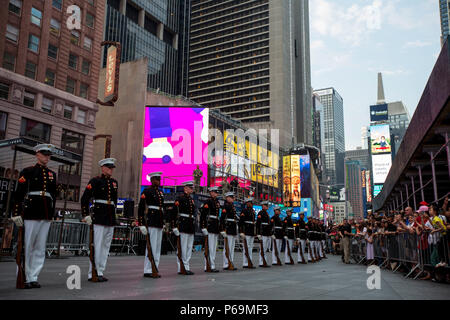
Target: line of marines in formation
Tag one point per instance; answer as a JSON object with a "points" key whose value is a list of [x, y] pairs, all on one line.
{"points": [[34, 209]]}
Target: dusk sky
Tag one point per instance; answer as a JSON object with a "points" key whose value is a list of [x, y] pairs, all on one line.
{"points": [[353, 40]]}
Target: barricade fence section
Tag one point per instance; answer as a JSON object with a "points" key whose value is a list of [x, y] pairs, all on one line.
{"points": [[414, 252], [74, 237]]}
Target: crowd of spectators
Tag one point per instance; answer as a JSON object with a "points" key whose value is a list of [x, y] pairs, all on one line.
{"points": [[419, 236]]}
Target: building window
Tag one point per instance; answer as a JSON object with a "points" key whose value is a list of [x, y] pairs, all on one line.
{"points": [[72, 194], [15, 6], [55, 27], [72, 141], [91, 2], [84, 91], [75, 37], [28, 99], [9, 61], [68, 112], [90, 20], [3, 121], [35, 130], [36, 16], [47, 105], [57, 4], [81, 117], [30, 70], [73, 61], [52, 51], [12, 33], [70, 86], [49, 78], [87, 44], [33, 43], [86, 67], [4, 90]]}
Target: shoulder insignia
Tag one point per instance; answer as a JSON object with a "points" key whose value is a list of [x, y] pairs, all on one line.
{"points": [[89, 186], [143, 196], [285, 221], [259, 217], [177, 203], [206, 206], [22, 179], [242, 215], [224, 210], [271, 220]]}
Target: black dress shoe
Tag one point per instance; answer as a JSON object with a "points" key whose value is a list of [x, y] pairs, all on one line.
{"points": [[189, 273], [101, 279], [35, 284], [215, 271], [27, 285], [264, 266], [245, 267]]}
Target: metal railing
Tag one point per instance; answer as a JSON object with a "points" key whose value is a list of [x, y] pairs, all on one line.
{"points": [[416, 253]]}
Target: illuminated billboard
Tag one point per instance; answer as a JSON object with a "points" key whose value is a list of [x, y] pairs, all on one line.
{"points": [[369, 186], [380, 139], [377, 190], [381, 164], [296, 179], [379, 113], [175, 142]]}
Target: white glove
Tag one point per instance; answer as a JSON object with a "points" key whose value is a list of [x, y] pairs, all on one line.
{"points": [[274, 238], [88, 220], [307, 241], [242, 235], [176, 232], [298, 239], [286, 237], [205, 232], [18, 221], [143, 230], [224, 234], [259, 237]]}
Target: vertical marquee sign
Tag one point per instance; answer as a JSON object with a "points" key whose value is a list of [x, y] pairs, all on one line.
{"points": [[111, 93]]}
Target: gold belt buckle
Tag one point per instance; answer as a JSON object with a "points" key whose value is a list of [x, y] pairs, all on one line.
{"points": [[109, 202], [43, 193]]}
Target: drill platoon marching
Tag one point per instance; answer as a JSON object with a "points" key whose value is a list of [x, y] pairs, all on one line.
{"points": [[35, 207]]}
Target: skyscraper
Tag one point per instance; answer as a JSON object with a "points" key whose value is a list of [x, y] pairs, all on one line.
{"points": [[444, 9], [250, 59], [48, 85], [334, 142], [157, 30], [353, 188]]}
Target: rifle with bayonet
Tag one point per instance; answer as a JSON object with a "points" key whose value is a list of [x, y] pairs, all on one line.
{"points": [[149, 247]]}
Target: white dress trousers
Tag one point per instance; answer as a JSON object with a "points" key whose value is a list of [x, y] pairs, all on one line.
{"points": [[35, 240], [250, 242], [155, 242], [102, 242], [187, 241]]}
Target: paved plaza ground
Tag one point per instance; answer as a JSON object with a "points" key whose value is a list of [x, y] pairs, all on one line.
{"points": [[328, 279]]}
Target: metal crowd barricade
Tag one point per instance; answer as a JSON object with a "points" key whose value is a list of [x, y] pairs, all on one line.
{"points": [[358, 249], [74, 237], [121, 239]]}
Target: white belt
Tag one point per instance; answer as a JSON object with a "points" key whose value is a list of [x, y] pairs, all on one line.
{"points": [[185, 215], [231, 220], [104, 202], [278, 227], [213, 217], [264, 224], [249, 222], [302, 229], [290, 228], [40, 193], [154, 207]]}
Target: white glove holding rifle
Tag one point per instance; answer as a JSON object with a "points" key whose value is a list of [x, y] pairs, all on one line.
{"points": [[242, 235], [274, 238], [88, 220], [176, 232], [18, 221], [259, 237], [205, 232], [224, 234], [286, 237], [143, 230]]}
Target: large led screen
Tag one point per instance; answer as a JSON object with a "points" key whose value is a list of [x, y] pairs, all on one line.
{"points": [[381, 164], [175, 143], [380, 139]]}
